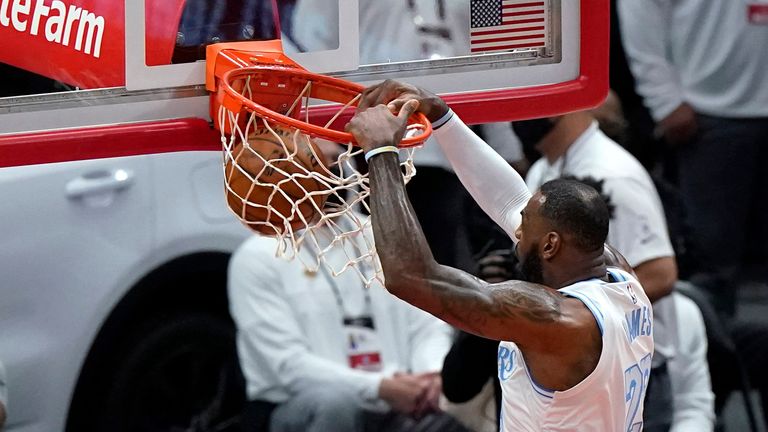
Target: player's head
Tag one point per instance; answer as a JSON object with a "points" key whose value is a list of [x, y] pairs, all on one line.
{"points": [[599, 186], [565, 220]]}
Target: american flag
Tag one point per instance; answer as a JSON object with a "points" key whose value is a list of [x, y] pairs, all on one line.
{"points": [[504, 25]]}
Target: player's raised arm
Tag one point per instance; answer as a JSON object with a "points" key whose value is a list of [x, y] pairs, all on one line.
{"points": [[492, 182], [536, 317]]}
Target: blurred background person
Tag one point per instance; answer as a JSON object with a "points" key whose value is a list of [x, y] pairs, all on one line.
{"points": [[701, 68], [323, 353], [326, 353]]}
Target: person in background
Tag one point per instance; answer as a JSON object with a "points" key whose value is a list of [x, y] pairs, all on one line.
{"points": [[323, 353], [701, 68], [326, 353]]}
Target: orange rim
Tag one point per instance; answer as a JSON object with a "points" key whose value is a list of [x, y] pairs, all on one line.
{"points": [[344, 89]]}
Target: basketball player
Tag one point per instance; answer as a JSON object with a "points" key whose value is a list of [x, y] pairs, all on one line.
{"points": [[576, 336]]}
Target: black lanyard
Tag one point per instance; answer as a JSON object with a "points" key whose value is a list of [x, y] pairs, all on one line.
{"points": [[332, 282]]}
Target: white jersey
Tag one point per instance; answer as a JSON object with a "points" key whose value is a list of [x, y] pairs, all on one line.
{"points": [[611, 397]]}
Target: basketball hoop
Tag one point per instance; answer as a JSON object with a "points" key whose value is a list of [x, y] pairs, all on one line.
{"points": [[273, 80], [279, 181]]}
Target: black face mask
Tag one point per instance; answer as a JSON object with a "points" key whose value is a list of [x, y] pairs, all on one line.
{"points": [[531, 132]]}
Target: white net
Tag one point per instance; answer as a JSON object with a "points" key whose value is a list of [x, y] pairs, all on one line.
{"points": [[306, 193]]}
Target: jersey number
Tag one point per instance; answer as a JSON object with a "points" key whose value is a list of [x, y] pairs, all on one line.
{"points": [[635, 384]]}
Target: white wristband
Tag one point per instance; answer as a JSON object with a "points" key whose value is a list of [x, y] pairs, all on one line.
{"points": [[380, 150]]}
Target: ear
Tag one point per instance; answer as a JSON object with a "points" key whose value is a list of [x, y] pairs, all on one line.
{"points": [[550, 245]]}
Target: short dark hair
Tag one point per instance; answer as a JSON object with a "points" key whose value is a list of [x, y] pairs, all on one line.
{"points": [[599, 187], [575, 208]]}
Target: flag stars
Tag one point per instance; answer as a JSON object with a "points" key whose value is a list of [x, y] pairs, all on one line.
{"points": [[486, 13]]}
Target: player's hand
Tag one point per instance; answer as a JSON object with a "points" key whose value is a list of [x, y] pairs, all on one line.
{"points": [[680, 126], [377, 126], [395, 94], [403, 392]]}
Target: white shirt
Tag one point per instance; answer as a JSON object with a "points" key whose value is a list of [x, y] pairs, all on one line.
{"points": [[611, 397], [692, 394], [290, 331], [638, 230], [703, 52]]}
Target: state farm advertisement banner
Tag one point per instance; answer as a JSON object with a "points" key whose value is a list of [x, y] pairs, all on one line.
{"points": [[82, 42]]}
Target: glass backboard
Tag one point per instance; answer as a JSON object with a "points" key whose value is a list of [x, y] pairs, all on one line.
{"points": [[448, 46], [549, 56], [492, 60]]}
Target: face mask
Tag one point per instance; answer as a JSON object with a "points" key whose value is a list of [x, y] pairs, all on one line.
{"points": [[531, 132]]}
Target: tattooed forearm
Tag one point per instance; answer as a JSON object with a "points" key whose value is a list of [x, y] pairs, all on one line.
{"points": [[473, 304]]}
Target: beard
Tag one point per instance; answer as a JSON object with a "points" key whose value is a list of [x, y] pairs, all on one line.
{"points": [[530, 267]]}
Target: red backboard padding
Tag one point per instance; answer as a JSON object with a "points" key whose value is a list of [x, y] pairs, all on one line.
{"points": [[188, 134]]}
